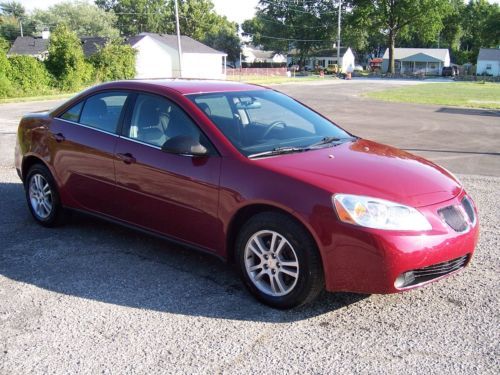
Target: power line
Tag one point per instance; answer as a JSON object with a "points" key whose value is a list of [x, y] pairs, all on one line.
{"points": [[291, 39]]}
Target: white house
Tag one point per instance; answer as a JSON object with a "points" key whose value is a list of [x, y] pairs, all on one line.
{"points": [[323, 58], [418, 60], [251, 54], [488, 61], [157, 57]]}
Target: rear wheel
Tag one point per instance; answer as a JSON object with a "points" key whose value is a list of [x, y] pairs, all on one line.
{"points": [[42, 196], [278, 261]]}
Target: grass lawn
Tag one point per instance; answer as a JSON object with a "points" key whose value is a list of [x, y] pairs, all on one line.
{"points": [[463, 94], [37, 98]]}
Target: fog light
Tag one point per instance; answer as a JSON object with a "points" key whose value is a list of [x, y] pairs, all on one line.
{"points": [[404, 279]]}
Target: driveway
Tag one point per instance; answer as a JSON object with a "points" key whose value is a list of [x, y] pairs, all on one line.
{"points": [[460, 139]]}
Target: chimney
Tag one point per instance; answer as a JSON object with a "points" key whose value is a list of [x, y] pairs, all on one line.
{"points": [[45, 34]]}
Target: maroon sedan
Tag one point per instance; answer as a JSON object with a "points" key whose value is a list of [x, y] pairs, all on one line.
{"points": [[254, 177]]}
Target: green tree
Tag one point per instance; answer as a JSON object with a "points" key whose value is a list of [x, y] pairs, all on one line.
{"points": [[480, 22], [227, 41], [5, 84], [280, 25], [13, 9], [197, 20], [11, 14], [136, 16], [28, 74], [66, 61], [398, 17], [114, 61], [83, 18]]}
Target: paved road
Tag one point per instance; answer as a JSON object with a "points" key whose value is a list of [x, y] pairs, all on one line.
{"points": [[92, 297]]}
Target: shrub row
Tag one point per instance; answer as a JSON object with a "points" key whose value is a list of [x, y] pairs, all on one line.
{"points": [[66, 68]]}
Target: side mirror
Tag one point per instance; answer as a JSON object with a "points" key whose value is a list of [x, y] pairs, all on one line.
{"points": [[184, 145]]}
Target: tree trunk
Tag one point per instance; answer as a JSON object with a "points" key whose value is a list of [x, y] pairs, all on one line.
{"points": [[392, 42]]}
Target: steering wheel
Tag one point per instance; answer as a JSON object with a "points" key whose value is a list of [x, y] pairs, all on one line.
{"points": [[273, 125]]}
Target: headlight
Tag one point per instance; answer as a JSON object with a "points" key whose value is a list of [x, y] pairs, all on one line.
{"points": [[378, 213]]}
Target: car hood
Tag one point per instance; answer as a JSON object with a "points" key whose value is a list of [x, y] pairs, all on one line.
{"points": [[368, 168]]}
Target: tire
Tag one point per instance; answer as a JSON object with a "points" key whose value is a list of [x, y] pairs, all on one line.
{"points": [[278, 261], [42, 196]]}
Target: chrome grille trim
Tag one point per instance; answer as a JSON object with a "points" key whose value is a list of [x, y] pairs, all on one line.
{"points": [[469, 209], [435, 271]]}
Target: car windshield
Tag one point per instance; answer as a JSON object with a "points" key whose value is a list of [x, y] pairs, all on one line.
{"points": [[264, 121]]}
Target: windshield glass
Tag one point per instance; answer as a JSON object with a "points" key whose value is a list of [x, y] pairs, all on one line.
{"points": [[265, 120]]}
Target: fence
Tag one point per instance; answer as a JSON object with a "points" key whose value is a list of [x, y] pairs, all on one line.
{"points": [[256, 72]]}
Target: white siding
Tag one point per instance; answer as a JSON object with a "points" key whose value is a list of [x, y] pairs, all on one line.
{"points": [[202, 65], [152, 60], [348, 61], [482, 67]]}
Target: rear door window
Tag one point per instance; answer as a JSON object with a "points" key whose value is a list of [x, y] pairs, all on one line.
{"points": [[103, 111]]}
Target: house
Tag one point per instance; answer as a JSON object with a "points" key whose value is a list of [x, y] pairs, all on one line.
{"points": [[39, 47], [157, 57], [488, 62], [30, 46], [325, 57], [418, 60], [252, 54]]}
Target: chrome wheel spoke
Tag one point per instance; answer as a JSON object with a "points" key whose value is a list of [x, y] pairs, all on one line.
{"points": [[293, 274], [40, 196], [271, 263]]}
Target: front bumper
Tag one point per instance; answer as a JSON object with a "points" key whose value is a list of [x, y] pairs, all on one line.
{"points": [[370, 261]]}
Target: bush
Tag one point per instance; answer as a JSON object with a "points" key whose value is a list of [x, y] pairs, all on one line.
{"points": [[66, 60], [28, 74], [113, 62]]}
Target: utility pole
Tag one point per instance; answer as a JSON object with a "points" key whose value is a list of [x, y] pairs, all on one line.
{"points": [[179, 49], [338, 34], [21, 26]]}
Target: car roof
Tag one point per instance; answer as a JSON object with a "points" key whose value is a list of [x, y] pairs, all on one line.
{"points": [[186, 86]]}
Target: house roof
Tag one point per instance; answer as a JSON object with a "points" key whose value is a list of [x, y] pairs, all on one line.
{"points": [[188, 45], [489, 54], [32, 46], [404, 53], [92, 44], [29, 45]]}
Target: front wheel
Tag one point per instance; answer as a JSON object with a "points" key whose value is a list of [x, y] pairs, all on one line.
{"points": [[278, 261], [42, 196]]}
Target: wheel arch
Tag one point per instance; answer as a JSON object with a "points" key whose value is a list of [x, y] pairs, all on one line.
{"points": [[245, 213], [28, 162]]}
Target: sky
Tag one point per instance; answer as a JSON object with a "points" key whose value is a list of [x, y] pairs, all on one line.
{"points": [[234, 10]]}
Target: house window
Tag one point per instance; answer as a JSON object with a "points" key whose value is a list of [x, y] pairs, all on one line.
{"points": [[488, 66], [432, 66]]}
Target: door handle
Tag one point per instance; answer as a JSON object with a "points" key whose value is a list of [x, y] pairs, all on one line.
{"points": [[127, 158], [59, 137]]}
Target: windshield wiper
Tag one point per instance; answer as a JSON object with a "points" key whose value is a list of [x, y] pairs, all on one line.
{"points": [[325, 141], [278, 151]]}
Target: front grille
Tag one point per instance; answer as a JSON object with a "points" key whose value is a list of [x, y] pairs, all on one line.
{"points": [[438, 270], [467, 204], [454, 218], [429, 273]]}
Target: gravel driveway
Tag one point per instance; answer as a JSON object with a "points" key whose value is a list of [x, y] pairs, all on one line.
{"points": [[93, 297]]}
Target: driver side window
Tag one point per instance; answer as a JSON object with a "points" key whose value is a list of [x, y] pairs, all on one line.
{"points": [[155, 120]]}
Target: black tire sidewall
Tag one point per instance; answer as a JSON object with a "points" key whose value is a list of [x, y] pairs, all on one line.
{"points": [[54, 216], [310, 270]]}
